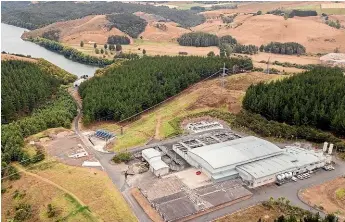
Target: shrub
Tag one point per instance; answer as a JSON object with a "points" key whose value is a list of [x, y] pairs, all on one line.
{"points": [[116, 39], [51, 211], [122, 157], [23, 212]]}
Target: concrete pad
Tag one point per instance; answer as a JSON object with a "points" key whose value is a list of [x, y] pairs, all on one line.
{"points": [[190, 179]]}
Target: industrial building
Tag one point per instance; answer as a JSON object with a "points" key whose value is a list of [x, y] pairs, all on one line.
{"points": [[157, 166], [254, 160]]}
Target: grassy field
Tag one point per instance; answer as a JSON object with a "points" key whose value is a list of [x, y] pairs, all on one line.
{"points": [[151, 47], [202, 97], [38, 194], [102, 201], [93, 187]]}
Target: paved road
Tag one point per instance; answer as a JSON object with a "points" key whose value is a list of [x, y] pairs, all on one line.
{"points": [[113, 172], [289, 191]]}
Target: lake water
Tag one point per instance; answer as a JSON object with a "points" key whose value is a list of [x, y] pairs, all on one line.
{"points": [[12, 43]]}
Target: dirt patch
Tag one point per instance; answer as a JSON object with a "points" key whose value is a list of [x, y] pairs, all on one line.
{"points": [[152, 213], [324, 196], [5, 57], [64, 145], [252, 214]]}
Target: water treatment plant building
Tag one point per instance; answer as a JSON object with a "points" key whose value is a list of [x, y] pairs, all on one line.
{"points": [[256, 161]]}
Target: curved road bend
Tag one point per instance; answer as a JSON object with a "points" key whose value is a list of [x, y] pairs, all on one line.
{"points": [[113, 172]]}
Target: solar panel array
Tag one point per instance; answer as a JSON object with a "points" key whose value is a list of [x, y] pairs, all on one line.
{"points": [[104, 134]]}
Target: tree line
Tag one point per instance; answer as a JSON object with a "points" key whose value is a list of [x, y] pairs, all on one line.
{"points": [[26, 85], [293, 13], [117, 39], [71, 53], [198, 39], [139, 84], [130, 24], [57, 112], [36, 15], [227, 44], [315, 98], [288, 48]]}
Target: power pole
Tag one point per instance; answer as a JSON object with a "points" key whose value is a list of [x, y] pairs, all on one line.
{"points": [[222, 78], [268, 63]]}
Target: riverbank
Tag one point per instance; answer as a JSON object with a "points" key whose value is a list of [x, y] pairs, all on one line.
{"points": [[11, 42]]}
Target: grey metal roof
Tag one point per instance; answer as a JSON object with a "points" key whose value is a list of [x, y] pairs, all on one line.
{"points": [[235, 152], [292, 158], [158, 164], [150, 153]]}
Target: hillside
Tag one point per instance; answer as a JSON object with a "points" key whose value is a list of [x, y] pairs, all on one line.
{"points": [[139, 84], [202, 96], [317, 37], [26, 84], [88, 29], [33, 16], [315, 98]]}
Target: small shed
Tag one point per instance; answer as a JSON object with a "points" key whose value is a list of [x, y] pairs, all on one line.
{"points": [[157, 166], [150, 153]]}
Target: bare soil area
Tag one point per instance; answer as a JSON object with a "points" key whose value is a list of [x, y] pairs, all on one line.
{"points": [[252, 214], [212, 95], [324, 196]]}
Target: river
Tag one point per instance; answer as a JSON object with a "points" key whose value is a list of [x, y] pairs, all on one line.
{"points": [[12, 43]]}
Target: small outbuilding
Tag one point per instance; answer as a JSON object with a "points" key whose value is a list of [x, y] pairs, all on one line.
{"points": [[154, 158]]}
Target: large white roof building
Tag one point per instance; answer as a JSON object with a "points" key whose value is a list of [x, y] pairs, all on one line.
{"points": [[255, 160]]}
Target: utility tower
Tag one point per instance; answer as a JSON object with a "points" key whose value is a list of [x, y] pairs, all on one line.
{"points": [[222, 77]]}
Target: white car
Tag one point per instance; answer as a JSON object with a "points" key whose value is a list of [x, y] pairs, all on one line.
{"points": [[294, 179], [300, 177]]}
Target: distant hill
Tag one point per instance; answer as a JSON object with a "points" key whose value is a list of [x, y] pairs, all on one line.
{"points": [[33, 16]]}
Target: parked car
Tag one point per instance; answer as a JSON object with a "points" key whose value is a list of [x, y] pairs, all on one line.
{"points": [[294, 179], [300, 177]]}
